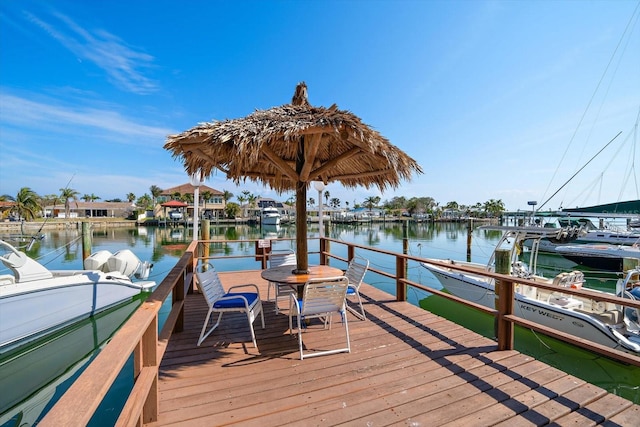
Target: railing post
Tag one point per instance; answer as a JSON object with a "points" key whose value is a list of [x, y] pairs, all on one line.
{"points": [[505, 307], [504, 291], [325, 247], [351, 252], [150, 355], [401, 274], [86, 240]]}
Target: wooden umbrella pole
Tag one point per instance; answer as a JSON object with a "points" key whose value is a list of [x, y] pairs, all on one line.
{"points": [[302, 252]]}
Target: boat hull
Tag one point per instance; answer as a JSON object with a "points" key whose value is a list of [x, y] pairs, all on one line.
{"points": [[33, 309], [597, 262], [602, 257], [271, 220], [30, 377], [559, 315]]}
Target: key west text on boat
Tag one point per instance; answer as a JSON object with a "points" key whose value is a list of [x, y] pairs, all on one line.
{"points": [[602, 322], [36, 301]]}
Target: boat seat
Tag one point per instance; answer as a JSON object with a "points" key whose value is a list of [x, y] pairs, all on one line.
{"points": [[610, 317]]}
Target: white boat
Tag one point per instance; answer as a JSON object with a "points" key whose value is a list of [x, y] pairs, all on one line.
{"points": [[29, 378], [605, 323], [36, 301], [602, 257], [270, 216], [611, 237]]}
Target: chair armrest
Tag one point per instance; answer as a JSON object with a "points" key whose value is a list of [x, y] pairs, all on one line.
{"points": [[247, 285]]}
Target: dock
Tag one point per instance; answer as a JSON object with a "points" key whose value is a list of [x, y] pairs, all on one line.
{"points": [[407, 366]]}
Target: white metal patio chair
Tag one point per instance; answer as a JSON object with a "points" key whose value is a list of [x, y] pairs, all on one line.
{"points": [[233, 300], [278, 259], [356, 271], [321, 299]]}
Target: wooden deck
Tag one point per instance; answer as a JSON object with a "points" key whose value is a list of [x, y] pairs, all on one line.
{"points": [[406, 367]]}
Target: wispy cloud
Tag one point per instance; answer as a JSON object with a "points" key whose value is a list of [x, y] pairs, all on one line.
{"points": [[21, 112], [123, 64]]}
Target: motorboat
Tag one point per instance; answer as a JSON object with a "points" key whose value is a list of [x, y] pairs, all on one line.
{"points": [[611, 237], [31, 378], [36, 301], [270, 216], [613, 325], [590, 233], [602, 257], [585, 236]]}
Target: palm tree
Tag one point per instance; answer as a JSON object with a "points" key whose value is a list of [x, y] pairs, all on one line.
{"points": [[251, 199], [494, 207], [27, 204], [145, 202], [326, 197], [206, 196], [68, 194], [93, 197], [334, 202], [155, 192], [226, 196], [86, 197], [131, 197], [242, 199], [372, 201]]}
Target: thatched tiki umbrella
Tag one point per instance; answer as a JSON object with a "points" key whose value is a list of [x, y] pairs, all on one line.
{"points": [[289, 146]]}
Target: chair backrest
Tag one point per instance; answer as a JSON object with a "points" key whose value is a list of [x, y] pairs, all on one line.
{"points": [[324, 295], [357, 269], [278, 259], [210, 285]]}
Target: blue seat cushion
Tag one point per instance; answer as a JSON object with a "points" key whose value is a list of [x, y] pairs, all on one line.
{"points": [[236, 302], [351, 291]]}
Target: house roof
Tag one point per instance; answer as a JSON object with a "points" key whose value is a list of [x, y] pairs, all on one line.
{"points": [[188, 189]]}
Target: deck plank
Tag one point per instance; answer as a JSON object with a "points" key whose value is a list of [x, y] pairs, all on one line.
{"points": [[407, 366]]}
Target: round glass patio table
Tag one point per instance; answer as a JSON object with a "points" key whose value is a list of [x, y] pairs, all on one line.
{"points": [[284, 275]]}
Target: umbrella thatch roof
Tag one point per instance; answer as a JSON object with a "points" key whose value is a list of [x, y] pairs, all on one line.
{"points": [[264, 147], [287, 147]]}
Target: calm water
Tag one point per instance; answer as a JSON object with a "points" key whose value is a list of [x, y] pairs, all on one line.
{"points": [[44, 372]]}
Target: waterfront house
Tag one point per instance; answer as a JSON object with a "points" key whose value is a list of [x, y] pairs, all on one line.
{"points": [[5, 209], [80, 209], [211, 201]]}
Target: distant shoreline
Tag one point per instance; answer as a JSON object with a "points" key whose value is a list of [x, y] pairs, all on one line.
{"points": [[62, 224]]}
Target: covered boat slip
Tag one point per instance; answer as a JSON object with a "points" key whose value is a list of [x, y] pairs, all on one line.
{"points": [[406, 366]]}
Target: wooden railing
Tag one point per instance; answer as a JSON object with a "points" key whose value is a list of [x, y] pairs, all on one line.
{"points": [[504, 311], [139, 336]]}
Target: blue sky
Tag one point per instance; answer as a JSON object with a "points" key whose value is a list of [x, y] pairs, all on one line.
{"points": [[494, 99]]}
